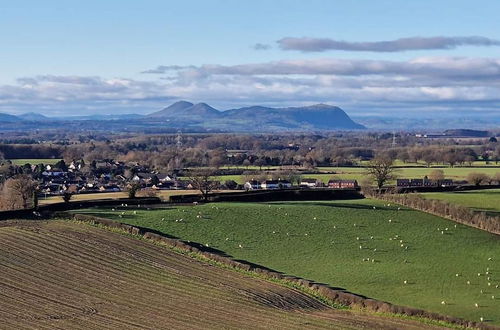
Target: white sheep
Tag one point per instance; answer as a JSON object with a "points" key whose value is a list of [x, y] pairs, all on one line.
{"points": [[476, 305], [443, 302], [405, 282], [240, 246]]}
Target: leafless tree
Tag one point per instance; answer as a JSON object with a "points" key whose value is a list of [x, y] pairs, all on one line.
{"points": [[382, 170], [203, 179], [19, 191]]}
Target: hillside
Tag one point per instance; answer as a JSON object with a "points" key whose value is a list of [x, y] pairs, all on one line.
{"points": [[257, 118], [62, 274]]}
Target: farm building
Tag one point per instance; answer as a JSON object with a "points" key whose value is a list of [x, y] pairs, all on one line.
{"points": [[310, 182], [423, 183], [343, 184], [252, 185], [276, 184]]}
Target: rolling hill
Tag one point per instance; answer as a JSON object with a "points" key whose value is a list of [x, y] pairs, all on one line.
{"points": [[257, 118]]}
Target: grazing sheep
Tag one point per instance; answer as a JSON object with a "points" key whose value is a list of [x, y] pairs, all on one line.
{"points": [[360, 247], [135, 212], [113, 210], [374, 250], [489, 259], [371, 237], [481, 319], [402, 245], [476, 305], [240, 246], [405, 282], [390, 220], [478, 274], [306, 234], [227, 238], [457, 274], [492, 297], [399, 208], [162, 219], [314, 218], [206, 245], [374, 208], [357, 238], [468, 282], [274, 232], [442, 232], [443, 302]]}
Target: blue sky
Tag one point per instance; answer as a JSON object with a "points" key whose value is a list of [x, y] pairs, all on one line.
{"points": [[75, 57]]}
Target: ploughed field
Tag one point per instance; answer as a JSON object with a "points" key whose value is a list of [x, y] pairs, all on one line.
{"points": [[367, 247], [69, 275], [479, 200]]}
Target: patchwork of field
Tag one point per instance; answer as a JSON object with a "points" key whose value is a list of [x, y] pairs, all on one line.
{"points": [[385, 252], [478, 200], [358, 173], [68, 275]]}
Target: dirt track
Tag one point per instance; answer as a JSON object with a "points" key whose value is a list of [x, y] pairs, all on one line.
{"points": [[66, 275]]}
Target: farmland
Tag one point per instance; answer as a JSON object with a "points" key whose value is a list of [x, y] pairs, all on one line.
{"points": [[357, 173], [349, 244], [35, 161], [478, 200], [64, 274]]}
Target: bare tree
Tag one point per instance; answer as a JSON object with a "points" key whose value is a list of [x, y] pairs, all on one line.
{"points": [[382, 170], [477, 178], [203, 179], [19, 192], [436, 175]]}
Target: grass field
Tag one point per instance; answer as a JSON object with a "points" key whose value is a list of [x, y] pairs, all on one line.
{"points": [[45, 161], [478, 200], [358, 173], [67, 275], [329, 242]]}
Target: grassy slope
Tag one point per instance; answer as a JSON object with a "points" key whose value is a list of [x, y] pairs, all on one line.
{"points": [[480, 200], [332, 255], [67, 275]]}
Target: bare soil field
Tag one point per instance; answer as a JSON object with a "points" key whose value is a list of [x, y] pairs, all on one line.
{"points": [[68, 275]]}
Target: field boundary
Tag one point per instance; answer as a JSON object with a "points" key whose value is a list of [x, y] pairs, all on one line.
{"points": [[333, 296], [454, 212]]}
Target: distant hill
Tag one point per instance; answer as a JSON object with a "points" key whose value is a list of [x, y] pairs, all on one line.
{"points": [[6, 118], [257, 118], [33, 116]]}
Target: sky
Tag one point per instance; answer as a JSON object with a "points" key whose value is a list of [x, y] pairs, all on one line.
{"points": [[380, 58]]}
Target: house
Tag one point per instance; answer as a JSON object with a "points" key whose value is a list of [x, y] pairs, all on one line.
{"points": [[343, 184], [310, 183], [276, 184], [252, 185]]}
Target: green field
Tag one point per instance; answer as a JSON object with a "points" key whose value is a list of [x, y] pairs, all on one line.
{"points": [[478, 200], [358, 173], [321, 241], [32, 161]]}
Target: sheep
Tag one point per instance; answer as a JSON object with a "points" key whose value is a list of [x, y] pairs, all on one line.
{"points": [[206, 245], [481, 319], [227, 238], [442, 232], [402, 245], [306, 234], [240, 246], [371, 237], [493, 297], [457, 274], [489, 259], [357, 238], [374, 250], [390, 220], [443, 302], [468, 282], [314, 218], [162, 219], [274, 232], [489, 284], [405, 282], [135, 212], [476, 305], [478, 274], [360, 247], [374, 208], [399, 209]]}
